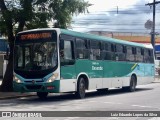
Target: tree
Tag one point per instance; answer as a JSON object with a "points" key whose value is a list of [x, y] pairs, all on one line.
{"points": [[17, 15]]}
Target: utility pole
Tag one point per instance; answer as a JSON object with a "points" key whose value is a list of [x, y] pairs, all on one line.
{"points": [[117, 9], [153, 27]]}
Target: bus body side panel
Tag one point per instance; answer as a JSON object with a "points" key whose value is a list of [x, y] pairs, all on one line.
{"points": [[115, 73], [144, 73], [68, 78], [69, 73], [106, 74], [94, 70], [148, 72], [118, 74]]}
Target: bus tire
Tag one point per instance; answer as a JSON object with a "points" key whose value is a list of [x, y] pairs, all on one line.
{"points": [[132, 86], [81, 88], [42, 95]]}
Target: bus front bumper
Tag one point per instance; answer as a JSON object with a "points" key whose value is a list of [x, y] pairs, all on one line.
{"points": [[36, 87]]}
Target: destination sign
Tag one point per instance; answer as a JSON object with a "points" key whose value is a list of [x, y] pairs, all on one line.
{"points": [[33, 36]]}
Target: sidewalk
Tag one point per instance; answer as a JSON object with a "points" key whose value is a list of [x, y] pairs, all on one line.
{"points": [[9, 95], [157, 80]]}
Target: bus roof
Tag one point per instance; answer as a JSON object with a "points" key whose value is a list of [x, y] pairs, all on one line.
{"points": [[90, 36]]}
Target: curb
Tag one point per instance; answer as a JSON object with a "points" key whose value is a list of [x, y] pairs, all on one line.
{"points": [[16, 96]]}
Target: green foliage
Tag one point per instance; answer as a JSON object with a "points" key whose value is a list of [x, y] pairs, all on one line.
{"points": [[64, 9], [30, 14], [2, 27]]}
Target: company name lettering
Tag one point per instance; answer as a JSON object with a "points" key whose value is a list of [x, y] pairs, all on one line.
{"points": [[97, 68]]}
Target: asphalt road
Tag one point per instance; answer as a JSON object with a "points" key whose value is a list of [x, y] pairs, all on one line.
{"points": [[145, 98]]}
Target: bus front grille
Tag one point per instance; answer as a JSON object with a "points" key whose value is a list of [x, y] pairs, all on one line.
{"points": [[33, 87], [31, 81]]}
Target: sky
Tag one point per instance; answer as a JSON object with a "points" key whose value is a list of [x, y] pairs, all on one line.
{"points": [[103, 16]]}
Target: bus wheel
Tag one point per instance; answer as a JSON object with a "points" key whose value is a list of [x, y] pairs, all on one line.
{"points": [[132, 86], [42, 95], [81, 88]]}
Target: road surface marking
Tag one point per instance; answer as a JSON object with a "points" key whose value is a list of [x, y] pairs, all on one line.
{"points": [[113, 103], [154, 118], [72, 118], [145, 106]]}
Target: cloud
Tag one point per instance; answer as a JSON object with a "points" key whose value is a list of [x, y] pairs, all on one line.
{"points": [[129, 18]]}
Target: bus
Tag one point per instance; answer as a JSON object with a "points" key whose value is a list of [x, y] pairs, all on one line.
{"points": [[54, 60]]}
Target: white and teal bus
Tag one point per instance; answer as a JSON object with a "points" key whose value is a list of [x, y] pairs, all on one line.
{"points": [[54, 60]]}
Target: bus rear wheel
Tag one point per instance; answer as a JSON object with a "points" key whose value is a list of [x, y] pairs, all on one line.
{"points": [[42, 95], [81, 88], [132, 86]]}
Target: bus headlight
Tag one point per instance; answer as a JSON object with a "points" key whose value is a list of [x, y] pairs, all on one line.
{"points": [[52, 78], [16, 79]]}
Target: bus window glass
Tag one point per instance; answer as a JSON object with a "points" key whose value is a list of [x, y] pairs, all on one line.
{"points": [[130, 56], [148, 56], [139, 56], [80, 44], [81, 47], [27, 55], [95, 50], [120, 55], [113, 48], [19, 56], [67, 50], [119, 48], [107, 54], [151, 56], [37, 56], [107, 47], [142, 51]]}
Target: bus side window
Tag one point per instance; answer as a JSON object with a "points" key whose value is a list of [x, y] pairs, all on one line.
{"points": [[134, 52], [130, 54], [81, 48], [151, 56], [112, 52], [67, 54], [120, 55], [148, 56], [95, 50], [107, 54], [139, 56]]}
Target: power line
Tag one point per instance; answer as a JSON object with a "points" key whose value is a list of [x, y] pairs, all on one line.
{"points": [[110, 28], [153, 27], [118, 24]]}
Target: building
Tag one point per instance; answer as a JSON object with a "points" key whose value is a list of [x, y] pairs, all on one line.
{"points": [[129, 36], [3, 49], [157, 50]]}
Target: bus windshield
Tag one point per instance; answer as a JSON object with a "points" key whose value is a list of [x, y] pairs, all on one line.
{"points": [[35, 51], [35, 56]]}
